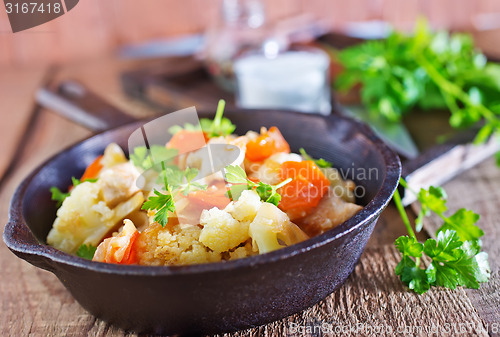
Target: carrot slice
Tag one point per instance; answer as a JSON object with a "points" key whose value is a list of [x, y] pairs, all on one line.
{"points": [[213, 196], [186, 141], [92, 171], [307, 187], [267, 144]]}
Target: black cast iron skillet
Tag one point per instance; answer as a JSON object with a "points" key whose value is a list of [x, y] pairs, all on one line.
{"points": [[215, 297]]}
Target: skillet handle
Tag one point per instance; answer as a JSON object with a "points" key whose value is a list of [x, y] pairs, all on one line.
{"points": [[21, 241], [75, 102]]}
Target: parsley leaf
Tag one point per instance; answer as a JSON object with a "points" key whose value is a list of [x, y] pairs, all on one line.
{"points": [[59, 196], [189, 174], [463, 222], [235, 175], [146, 159], [219, 126], [409, 246], [320, 162], [162, 203], [455, 257], [444, 248], [77, 182], [187, 126], [86, 251], [268, 193], [415, 278], [175, 181]]}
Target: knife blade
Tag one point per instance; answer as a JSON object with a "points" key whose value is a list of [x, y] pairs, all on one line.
{"points": [[394, 134]]}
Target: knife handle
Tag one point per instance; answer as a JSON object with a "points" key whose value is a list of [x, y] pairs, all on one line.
{"points": [[74, 101]]}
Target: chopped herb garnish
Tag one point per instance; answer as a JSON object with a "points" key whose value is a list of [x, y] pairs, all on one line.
{"points": [[320, 162], [86, 251], [268, 193], [59, 196], [187, 126], [146, 159], [162, 203], [219, 126], [175, 181]]}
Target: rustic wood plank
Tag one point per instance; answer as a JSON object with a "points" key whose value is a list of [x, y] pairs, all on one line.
{"points": [[374, 302], [479, 190]]}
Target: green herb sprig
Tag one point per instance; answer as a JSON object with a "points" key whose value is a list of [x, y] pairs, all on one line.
{"points": [[86, 251], [455, 256], [59, 196], [175, 181], [267, 193], [145, 158], [429, 71], [219, 126], [320, 162]]}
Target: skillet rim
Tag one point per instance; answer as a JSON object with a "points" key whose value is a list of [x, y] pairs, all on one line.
{"points": [[55, 257]]}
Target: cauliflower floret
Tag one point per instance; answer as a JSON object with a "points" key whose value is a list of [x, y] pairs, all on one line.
{"points": [[85, 218], [243, 251], [246, 207], [221, 232], [270, 226]]}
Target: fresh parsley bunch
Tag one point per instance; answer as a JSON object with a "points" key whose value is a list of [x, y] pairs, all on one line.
{"points": [[454, 257], [428, 71]]}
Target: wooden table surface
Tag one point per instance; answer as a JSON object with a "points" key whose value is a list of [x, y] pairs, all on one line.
{"points": [[372, 301]]}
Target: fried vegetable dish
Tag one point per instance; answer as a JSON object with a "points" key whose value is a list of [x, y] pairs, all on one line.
{"points": [[179, 211]]}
